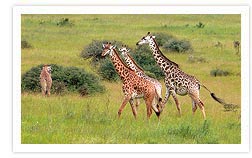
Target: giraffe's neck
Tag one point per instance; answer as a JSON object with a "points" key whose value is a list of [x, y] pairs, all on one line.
{"points": [[122, 70], [161, 60], [131, 63]]}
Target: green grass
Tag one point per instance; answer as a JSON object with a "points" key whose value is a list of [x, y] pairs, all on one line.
{"points": [[93, 119]]}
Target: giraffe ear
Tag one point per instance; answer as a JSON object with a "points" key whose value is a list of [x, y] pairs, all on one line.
{"points": [[114, 47], [153, 36], [103, 45]]}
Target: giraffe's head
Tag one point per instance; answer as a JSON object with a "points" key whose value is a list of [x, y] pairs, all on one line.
{"points": [[47, 68], [146, 39], [124, 50], [107, 49]]}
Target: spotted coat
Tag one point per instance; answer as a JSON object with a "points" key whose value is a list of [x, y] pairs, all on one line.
{"points": [[176, 81], [133, 85]]}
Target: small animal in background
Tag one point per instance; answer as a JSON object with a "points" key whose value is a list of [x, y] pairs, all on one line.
{"points": [[237, 46], [46, 80]]}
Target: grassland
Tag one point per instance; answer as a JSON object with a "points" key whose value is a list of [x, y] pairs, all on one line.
{"points": [[93, 119]]}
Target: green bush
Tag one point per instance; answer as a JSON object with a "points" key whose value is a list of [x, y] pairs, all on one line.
{"points": [[83, 90], [200, 25], [170, 43], [179, 46], [25, 44], [64, 22], [94, 50], [64, 78], [59, 88], [194, 59], [162, 38], [219, 72], [107, 70], [30, 80], [144, 58]]}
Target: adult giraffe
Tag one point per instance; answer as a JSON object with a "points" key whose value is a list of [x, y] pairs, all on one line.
{"points": [[133, 85], [176, 81]]}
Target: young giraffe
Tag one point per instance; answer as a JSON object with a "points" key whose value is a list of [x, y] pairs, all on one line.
{"points": [[139, 71], [176, 81], [133, 68], [133, 85]]}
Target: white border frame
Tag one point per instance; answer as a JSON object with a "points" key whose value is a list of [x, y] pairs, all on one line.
{"points": [[104, 148]]}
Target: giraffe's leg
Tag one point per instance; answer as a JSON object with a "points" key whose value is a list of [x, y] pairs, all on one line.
{"points": [[150, 112], [176, 101], [148, 102], [167, 95], [202, 108], [196, 99], [137, 102], [158, 97], [155, 105], [125, 101], [158, 88], [194, 107], [134, 111]]}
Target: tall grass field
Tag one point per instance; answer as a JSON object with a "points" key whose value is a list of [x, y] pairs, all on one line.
{"points": [[92, 119]]}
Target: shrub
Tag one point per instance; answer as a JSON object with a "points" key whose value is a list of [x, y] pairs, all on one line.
{"points": [[144, 58], [25, 44], [64, 78], [170, 43], [30, 80], [219, 72], [59, 87], [179, 46], [94, 50], [193, 59], [64, 22], [200, 25], [162, 38], [83, 90], [150, 74], [107, 70]]}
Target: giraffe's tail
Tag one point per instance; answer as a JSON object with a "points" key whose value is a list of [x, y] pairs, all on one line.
{"points": [[219, 100], [228, 107]]}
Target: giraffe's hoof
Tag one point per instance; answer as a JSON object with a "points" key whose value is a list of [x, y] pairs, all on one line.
{"points": [[119, 114], [158, 113]]}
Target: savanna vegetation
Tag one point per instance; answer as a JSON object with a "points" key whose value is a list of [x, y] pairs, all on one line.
{"points": [[201, 44]]}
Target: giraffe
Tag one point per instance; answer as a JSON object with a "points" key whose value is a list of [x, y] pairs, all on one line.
{"points": [[139, 71], [176, 81], [133, 85]]}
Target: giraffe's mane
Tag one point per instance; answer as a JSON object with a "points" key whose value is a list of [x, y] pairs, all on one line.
{"points": [[117, 55], [135, 63], [165, 56]]}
